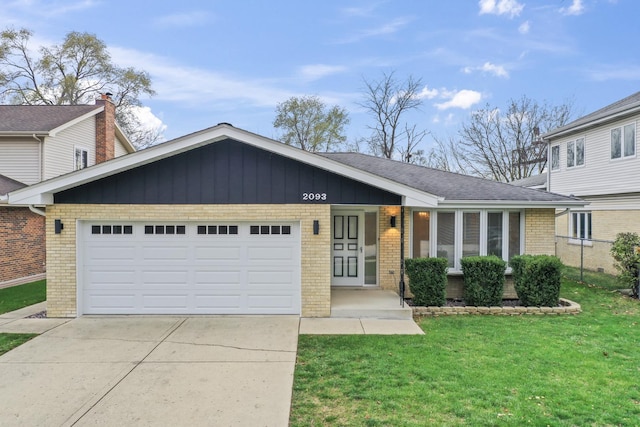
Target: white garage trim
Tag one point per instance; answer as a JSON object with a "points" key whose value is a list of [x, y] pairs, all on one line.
{"points": [[188, 267]]}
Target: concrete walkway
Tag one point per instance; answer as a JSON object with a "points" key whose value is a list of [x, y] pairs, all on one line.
{"points": [[160, 370]]}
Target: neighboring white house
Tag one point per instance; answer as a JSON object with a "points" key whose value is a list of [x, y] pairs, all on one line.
{"points": [[596, 159], [37, 143]]}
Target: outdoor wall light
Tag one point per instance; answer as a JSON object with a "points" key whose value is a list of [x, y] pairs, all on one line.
{"points": [[393, 221], [58, 226], [316, 226]]}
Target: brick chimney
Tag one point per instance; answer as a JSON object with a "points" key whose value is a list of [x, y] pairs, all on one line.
{"points": [[105, 129]]}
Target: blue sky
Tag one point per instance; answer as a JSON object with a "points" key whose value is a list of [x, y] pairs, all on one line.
{"points": [[233, 61]]}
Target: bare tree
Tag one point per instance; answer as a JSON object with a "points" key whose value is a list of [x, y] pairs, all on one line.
{"points": [[446, 156], [308, 124], [73, 72], [388, 100], [505, 146]]}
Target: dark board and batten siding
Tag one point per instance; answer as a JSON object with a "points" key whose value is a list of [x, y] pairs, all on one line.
{"points": [[227, 172]]}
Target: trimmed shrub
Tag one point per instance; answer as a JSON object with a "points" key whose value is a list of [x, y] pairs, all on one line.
{"points": [[537, 279], [483, 280], [427, 280]]}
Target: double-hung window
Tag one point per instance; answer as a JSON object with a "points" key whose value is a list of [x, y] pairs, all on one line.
{"points": [[581, 225], [575, 153], [623, 141], [81, 158], [555, 157]]}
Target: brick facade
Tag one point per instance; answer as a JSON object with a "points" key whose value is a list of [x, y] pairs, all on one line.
{"points": [[315, 253], [595, 254], [539, 231], [22, 244]]}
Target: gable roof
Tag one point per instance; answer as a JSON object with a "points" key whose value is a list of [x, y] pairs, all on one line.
{"points": [[418, 186], [9, 184], [41, 119], [452, 188], [615, 111]]}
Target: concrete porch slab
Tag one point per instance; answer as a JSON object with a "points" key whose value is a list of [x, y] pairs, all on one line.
{"points": [[368, 303]]}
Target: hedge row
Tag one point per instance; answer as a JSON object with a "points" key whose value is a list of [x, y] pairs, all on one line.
{"points": [[536, 279]]}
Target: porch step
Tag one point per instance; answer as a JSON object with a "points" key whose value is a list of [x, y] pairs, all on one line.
{"points": [[368, 303]]}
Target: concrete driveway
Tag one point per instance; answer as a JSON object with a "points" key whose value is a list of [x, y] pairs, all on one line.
{"points": [[156, 371]]}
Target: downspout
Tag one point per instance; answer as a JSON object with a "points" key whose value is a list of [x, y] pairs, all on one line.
{"points": [[402, 284], [37, 211]]}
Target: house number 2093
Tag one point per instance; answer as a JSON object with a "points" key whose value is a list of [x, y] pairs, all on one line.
{"points": [[314, 196]]}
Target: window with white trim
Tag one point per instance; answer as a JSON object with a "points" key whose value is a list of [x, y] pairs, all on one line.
{"points": [[81, 158], [581, 225], [457, 234], [575, 153], [555, 157], [623, 141]]}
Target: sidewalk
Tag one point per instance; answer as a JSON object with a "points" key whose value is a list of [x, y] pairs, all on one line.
{"points": [[17, 322]]}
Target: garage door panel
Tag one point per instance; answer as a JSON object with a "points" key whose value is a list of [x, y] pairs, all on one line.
{"points": [[217, 252], [110, 278], [215, 277], [190, 273], [111, 301], [172, 253], [161, 300], [176, 278], [269, 278]]}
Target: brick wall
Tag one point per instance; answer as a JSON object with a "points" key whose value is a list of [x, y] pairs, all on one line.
{"points": [[539, 231], [605, 226], [22, 243], [389, 251], [315, 253]]}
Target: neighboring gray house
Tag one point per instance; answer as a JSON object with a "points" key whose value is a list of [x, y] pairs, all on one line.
{"points": [[596, 158], [40, 142], [537, 182]]}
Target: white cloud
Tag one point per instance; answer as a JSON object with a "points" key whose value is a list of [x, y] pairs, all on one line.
{"points": [[427, 93], [318, 71], [524, 28], [488, 67], [500, 7], [183, 19], [148, 120], [576, 8], [464, 99]]}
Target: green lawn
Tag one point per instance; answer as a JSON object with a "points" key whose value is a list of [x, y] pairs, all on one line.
{"points": [[579, 370], [9, 341], [20, 296]]}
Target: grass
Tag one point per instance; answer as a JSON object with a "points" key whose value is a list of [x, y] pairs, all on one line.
{"points": [[579, 370], [14, 298], [17, 297], [10, 341]]}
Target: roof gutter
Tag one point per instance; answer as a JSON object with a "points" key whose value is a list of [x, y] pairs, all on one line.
{"points": [[37, 211], [587, 125]]}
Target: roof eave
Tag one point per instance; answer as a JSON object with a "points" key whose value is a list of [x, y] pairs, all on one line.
{"points": [[615, 115], [512, 204]]}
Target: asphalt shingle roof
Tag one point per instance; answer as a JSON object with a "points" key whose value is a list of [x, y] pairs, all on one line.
{"points": [[629, 102], [7, 184], [39, 118], [535, 180], [448, 185]]}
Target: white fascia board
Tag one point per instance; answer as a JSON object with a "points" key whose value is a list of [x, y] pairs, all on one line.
{"points": [[42, 193], [613, 116], [511, 204], [70, 123], [125, 139]]}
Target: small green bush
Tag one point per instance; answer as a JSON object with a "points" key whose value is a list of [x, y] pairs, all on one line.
{"points": [[626, 260], [483, 280], [537, 279], [427, 280]]}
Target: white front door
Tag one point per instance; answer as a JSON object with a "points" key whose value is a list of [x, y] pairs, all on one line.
{"points": [[347, 248]]}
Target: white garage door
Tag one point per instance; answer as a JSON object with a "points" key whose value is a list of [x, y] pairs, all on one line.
{"points": [[189, 268]]}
